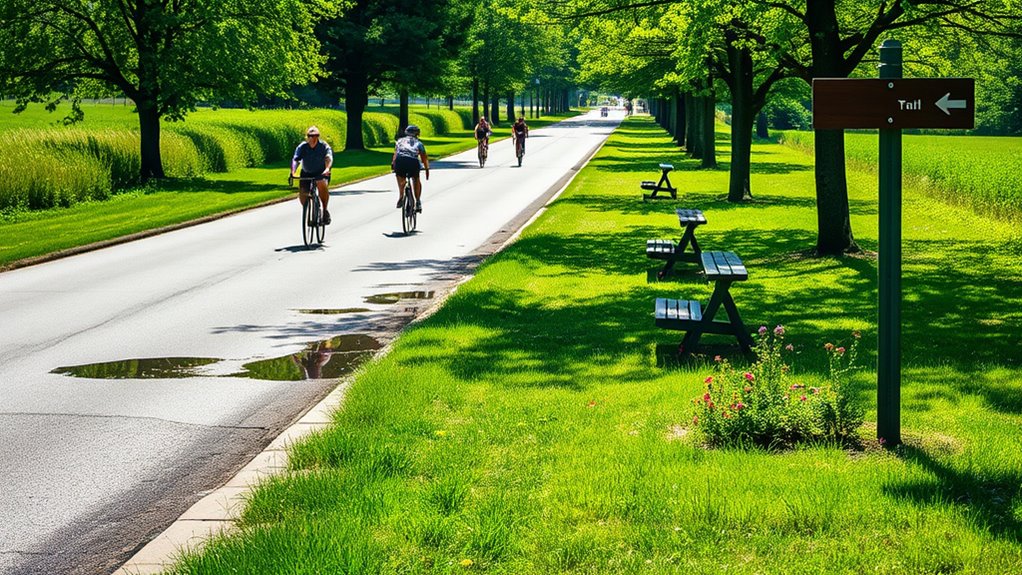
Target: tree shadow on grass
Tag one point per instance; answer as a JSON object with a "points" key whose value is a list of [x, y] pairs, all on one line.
{"points": [[990, 496], [197, 185]]}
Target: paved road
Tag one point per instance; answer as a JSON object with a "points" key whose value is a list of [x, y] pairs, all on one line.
{"points": [[93, 468]]}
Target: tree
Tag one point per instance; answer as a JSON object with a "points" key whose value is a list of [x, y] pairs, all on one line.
{"points": [[166, 55], [839, 36]]}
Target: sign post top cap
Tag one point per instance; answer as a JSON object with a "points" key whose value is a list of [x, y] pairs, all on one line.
{"points": [[890, 44]]}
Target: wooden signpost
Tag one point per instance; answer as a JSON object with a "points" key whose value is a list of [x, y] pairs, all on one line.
{"points": [[891, 103]]}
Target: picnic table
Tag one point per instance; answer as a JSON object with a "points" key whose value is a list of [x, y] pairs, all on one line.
{"points": [[674, 251], [724, 269], [664, 185]]}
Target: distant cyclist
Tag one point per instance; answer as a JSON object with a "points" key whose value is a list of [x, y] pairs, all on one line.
{"points": [[520, 131], [408, 151], [483, 131], [316, 158]]}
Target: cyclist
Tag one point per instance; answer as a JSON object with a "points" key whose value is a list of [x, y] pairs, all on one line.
{"points": [[405, 163], [316, 157], [520, 131], [483, 131]]}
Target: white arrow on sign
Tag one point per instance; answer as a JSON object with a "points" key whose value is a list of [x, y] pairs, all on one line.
{"points": [[945, 104]]}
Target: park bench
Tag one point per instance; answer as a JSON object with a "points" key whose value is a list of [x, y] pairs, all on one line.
{"points": [[722, 268], [664, 185], [674, 251]]}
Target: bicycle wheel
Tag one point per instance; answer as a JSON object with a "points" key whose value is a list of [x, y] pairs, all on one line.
{"points": [[482, 155], [320, 226], [521, 152], [408, 212], [307, 226]]}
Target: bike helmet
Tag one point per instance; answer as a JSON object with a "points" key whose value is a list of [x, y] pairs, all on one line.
{"points": [[412, 130]]}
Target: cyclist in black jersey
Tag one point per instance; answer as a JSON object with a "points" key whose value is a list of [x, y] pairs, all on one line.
{"points": [[520, 131], [408, 151]]}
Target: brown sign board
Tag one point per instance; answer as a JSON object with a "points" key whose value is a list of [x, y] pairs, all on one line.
{"points": [[948, 103]]}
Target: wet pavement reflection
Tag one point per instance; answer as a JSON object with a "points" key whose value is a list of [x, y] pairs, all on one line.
{"points": [[334, 311], [386, 298], [328, 359]]}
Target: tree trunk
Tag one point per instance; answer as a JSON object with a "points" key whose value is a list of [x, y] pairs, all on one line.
{"points": [[708, 134], [450, 102], [149, 131], [510, 105], [762, 130], [356, 98], [475, 101], [695, 139], [486, 100], [402, 114], [691, 123], [495, 109], [834, 227], [742, 116], [679, 118]]}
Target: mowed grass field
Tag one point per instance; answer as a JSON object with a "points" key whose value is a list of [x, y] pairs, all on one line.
{"points": [[536, 423], [78, 186]]}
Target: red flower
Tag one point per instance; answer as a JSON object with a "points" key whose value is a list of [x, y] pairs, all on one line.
{"points": [[706, 397], [708, 379], [840, 351], [749, 376], [803, 398]]}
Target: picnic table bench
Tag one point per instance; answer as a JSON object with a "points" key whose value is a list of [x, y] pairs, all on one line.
{"points": [[722, 268], [674, 251], [664, 185]]}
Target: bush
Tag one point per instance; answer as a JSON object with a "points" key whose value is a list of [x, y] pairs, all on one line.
{"points": [[767, 406]]}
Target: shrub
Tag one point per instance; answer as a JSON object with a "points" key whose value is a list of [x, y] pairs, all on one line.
{"points": [[766, 405]]}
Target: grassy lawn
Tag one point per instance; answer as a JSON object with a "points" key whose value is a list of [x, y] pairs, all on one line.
{"points": [[533, 424], [27, 234]]}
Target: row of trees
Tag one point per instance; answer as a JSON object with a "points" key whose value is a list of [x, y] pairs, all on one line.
{"points": [[169, 55], [749, 51]]}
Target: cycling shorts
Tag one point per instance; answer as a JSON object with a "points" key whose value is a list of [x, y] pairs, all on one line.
{"points": [[407, 167], [304, 185]]}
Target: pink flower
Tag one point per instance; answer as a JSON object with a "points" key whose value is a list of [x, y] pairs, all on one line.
{"points": [[706, 397], [739, 406], [717, 359], [840, 351], [762, 330], [797, 385], [708, 379], [779, 330], [803, 398], [749, 376], [789, 347]]}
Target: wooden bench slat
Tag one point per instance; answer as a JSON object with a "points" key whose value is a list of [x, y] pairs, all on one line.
{"points": [[661, 308]]}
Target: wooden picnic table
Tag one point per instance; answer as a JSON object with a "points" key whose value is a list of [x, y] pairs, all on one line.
{"points": [[664, 185], [674, 251], [724, 269]]}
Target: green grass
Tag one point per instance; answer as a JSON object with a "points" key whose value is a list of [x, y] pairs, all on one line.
{"points": [[976, 171], [30, 233], [532, 425]]}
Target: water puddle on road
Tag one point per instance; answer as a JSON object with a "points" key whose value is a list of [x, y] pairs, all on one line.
{"points": [[334, 311], [148, 368], [387, 298], [328, 359]]}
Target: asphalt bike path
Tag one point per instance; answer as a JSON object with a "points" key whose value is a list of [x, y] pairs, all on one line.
{"points": [[94, 468]]}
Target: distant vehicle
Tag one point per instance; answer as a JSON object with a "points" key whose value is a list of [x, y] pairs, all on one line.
{"points": [[604, 111]]}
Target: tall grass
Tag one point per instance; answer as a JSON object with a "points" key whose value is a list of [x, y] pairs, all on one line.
{"points": [[980, 171], [47, 166]]}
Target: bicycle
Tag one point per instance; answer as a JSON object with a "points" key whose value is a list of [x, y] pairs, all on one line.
{"points": [[313, 228], [484, 150], [520, 149], [408, 218]]}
